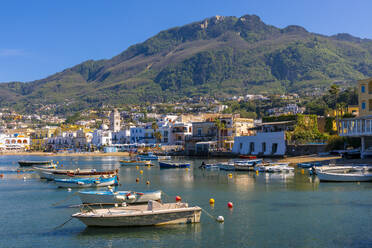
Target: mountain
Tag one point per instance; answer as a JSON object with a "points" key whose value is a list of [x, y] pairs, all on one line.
{"points": [[219, 56]]}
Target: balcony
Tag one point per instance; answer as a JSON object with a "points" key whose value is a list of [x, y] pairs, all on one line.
{"points": [[356, 127]]}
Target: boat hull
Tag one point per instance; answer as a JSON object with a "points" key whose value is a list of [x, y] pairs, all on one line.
{"points": [[76, 183], [32, 163], [340, 177], [136, 163], [108, 197], [164, 165], [143, 218]]}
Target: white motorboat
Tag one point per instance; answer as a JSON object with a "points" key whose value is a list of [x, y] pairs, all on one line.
{"points": [[153, 213], [343, 176], [112, 197], [87, 182]]}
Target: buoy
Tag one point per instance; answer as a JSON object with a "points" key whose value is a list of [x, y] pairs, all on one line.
{"points": [[230, 205], [257, 172], [187, 169], [24, 178], [230, 175], [147, 182], [61, 165], [178, 198], [302, 171], [220, 219], [116, 205], [1, 175], [137, 179], [211, 201], [69, 189], [141, 172], [137, 167], [18, 171]]}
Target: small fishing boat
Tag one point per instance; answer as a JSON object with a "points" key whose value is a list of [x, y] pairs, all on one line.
{"points": [[274, 168], [25, 163], [112, 197], [339, 176], [47, 172], [154, 213], [227, 166], [309, 165], [169, 165], [86, 182], [246, 165], [209, 167], [136, 162], [148, 156], [83, 174]]}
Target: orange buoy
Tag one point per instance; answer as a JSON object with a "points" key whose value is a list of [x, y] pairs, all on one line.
{"points": [[178, 198], [137, 179], [18, 171], [1, 175], [147, 182], [230, 205]]}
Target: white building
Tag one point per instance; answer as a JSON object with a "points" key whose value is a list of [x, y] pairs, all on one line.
{"points": [[115, 121], [263, 143], [102, 138]]}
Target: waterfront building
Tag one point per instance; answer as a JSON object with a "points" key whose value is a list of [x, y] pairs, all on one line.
{"points": [[361, 126], [115, 121], [14, 142]]}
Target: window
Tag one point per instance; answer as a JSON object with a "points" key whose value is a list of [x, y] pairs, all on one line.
{"points": [[363, 105], [199, 131], [241, 146], [263, 147], [251, 147], [363, 88], [274, 148]]}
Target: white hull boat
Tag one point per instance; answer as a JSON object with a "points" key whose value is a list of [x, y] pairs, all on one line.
{"points": [[112, 197], [135, 162], [332, 176], [141, 215]]}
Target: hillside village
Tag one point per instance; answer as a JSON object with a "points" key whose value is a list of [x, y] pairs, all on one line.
{"points": [[195, 126]]}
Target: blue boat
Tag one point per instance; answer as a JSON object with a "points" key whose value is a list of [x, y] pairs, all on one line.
{"points": [[226, 166], [308, 165], [169, 165], [148, 156], [86, 182]]}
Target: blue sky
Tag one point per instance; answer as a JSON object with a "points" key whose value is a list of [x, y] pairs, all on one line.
{"points": [[42, 37]]}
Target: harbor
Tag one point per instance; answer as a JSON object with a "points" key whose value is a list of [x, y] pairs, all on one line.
{"points": [[291, 209]]}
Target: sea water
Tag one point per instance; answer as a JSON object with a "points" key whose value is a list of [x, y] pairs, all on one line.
{"points": [[270, 210]]}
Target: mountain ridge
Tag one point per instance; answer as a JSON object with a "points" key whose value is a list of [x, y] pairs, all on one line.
{"points": [[216, 56]]}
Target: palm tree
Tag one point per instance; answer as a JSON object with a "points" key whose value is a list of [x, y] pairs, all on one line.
{"points": [[220, 127]]}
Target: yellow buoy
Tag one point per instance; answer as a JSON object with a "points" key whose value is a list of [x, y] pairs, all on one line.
{"points": [[211, 201], [187, 169], [230, 175], [141, 172], [137, 167], [257, 172], [302, 171]]}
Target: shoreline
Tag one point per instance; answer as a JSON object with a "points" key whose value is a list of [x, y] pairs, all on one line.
{"points": [[294, 160], [50, 154]]}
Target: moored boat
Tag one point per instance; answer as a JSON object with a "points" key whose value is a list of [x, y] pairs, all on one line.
{"points": [[86, 182], [153, 213], [25, 163], [226, 166], [246, 165], [136, 162], [166, 165], [148, 156], [112, 197], [247, 156], [337, 176]]}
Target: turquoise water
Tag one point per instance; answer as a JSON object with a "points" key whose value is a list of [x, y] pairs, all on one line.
{"points": [[270, 210]]}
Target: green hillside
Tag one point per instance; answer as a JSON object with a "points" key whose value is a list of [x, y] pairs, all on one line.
{"points": [[219, 56]]}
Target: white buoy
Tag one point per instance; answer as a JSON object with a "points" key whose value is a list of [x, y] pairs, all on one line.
{"points": [[69, 189], [116, 205], [220, 219], [24, 178]]}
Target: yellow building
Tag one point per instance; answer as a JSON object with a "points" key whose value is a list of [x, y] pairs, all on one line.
{"points": [[365, 97], [40, 137]]}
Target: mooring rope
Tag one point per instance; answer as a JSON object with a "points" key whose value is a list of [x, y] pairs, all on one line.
{"points": [[63, 200]]}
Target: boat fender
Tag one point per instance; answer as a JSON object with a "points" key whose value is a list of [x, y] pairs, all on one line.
{"points": [[120, 198], [80, 183], [131, 197]]}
